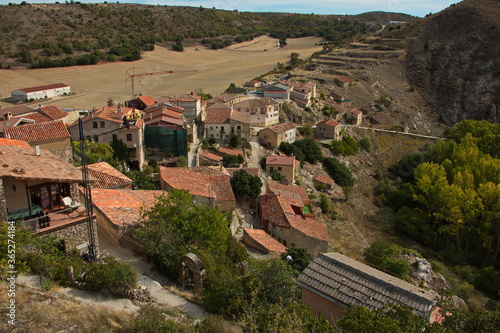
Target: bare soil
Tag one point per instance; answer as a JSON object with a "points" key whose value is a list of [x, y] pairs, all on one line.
{"points": [[215, 70]]}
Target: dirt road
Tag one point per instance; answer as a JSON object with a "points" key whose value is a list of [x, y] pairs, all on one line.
{"points": [[216, 69]]}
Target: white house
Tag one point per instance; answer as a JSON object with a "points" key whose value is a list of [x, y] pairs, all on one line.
{"points": [[41, 92]]}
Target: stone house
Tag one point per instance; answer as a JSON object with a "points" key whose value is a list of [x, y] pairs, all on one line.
{"points": [[107, 124], [191, 103], [277, 91], [342, 81], [286, 214], [240, 124], [333, 282], [217, 124], [327, 129], [285, 165], [116, 210], [209, 186], [53, 136], [260, 240], [39, 191], [263, 112], [302, 92], [207, 158], [355, 116], [273, 136], [324, 181]]}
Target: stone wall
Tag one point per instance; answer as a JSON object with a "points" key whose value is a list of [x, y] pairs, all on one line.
{"points": [[76, 236], [3, 203]]}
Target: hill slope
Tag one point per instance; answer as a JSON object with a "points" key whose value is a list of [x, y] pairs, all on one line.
{"points": [[453, 57]]}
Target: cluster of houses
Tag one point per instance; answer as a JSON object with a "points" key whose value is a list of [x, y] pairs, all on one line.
{"points": [[41, 189]]}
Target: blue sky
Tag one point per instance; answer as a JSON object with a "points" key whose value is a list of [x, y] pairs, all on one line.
{"points": [[412, 7]]}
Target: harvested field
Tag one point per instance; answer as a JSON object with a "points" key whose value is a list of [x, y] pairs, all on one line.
{"points": [[216, 69]]}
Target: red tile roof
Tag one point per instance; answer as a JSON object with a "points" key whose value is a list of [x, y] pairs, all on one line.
{"points": [[344, 79], [111, 113], [22, 163], [106, 176], [251, 171], [204, 182], [47, 87], [191, 97], [13, 143], [221, 99], [241, 117], [211, 156], [264, 240], [17, 110], [38, 132], [148, 100], [217, 116], [280, 160], [286, 190], [356, 111], [230, 151], [123, 207], [38, 117], [53, 112], [324, 179], [281, 128], [329, 122], [256, 103]]}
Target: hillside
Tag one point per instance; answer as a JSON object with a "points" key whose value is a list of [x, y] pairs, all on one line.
{"points": [[453, 59]]}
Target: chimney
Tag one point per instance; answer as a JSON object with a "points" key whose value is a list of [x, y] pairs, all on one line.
{"points": [[37, 150], [220, 164], [119, 109], [7, 115]]}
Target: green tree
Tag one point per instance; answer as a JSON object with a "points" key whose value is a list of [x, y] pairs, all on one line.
{"points": [[324, 203], [339, 172], [386, 256], [366, 143], [277, 176], [120, 150], [245, 184], [234, 141], [300, 258], [141, 180], [94, 152]]}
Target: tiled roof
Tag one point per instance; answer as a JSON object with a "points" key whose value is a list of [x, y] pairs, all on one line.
{"points": [[147, 100], [324, 179], [217, 116], [211, 156], [276, 87], [22, 163], [264, 240], [280, 160], [17, 110], [219, 106], [106, 176], [221, 99], [277, 188], [191, 97], [123, 207], [111, 113], [204, 182], [241, 117], [281, 128], [230, 151], [251, 171], [256, 103], [13, 143], [53, 112], [47, 87], [351, 282], [38, 117], [345, 79], [329, 122], [38, 132], [164, 106], [356, 111]]}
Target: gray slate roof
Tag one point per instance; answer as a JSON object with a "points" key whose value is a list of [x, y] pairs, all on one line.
{"points": [[350, 282]]}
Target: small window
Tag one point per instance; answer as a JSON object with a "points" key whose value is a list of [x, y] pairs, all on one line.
{"points": [[129, 137], [285, 243], [279, 168], [211, 128], [238, 127], [96, 139], [115, 137], [94, 124], [102, 124]]}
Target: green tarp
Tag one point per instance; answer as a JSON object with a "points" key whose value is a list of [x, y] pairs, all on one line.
{"points": [[167, 139]]}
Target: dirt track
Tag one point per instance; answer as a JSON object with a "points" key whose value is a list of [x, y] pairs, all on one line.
{"points": [[216, 69]]}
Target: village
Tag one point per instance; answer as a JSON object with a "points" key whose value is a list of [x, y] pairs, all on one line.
{"points": [[213, 139]]}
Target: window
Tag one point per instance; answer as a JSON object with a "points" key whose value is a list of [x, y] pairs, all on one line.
{"points": [[285, 243], [94, 124], [96, 139], [211, 128], [238, 127], [129, 137], [279, 168], [115, 137], [271, 169], [102, 124]]}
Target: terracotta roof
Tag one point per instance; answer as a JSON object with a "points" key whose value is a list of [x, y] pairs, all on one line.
{"points": [[147, 100], [38, 132], [221, 99], [38, 117], [17, 110], [47, 87], [205, 182], [211, 156], [164, 108], [22, 163], [13, 143], [345, 79], [219, 106], [251, 171], [280, 160], [329, 122], [217, 116], [111, 113], [230, 151], [106, 176], [333, 275], [191, 97], [241, 117], [277, 188], [281, 128], [356, 111], [324, 179], [256, 103], [264, 240], [53, 112], [123, 207]]}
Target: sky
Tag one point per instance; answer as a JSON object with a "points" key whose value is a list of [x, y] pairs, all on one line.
{"points": [[413, 7]]}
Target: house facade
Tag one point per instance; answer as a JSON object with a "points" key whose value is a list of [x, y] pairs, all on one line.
{"points": [[327, 129], [277, 91], [41, 92], [217, 123], [285, 165], [355, 116], [262, 112], [273, 136], [191, 103], [106, 124], [333, 282]]}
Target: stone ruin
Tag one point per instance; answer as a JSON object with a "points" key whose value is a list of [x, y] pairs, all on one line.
{"points": [[192, 273]]}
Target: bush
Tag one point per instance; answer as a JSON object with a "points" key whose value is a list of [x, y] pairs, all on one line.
{"points": [[366, 144], [339, 172], [385, 255], [325, 204]]}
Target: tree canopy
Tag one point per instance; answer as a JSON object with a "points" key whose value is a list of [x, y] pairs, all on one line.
{"points": [[245, 184]]}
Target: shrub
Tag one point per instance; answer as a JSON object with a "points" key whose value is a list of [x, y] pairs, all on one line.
{"points": [[339, 172], [324, 203], [366, 144]]}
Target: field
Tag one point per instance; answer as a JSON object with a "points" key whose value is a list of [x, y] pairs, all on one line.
{"points": [[215, 70]]}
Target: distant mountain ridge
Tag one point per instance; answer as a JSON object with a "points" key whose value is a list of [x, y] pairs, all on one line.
{"points": [[453, 58]]}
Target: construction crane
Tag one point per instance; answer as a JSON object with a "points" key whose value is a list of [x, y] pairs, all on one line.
{"points": [[132, 75]]}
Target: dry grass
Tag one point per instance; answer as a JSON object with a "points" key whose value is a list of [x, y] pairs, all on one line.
{"points": [[216, 69]]}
